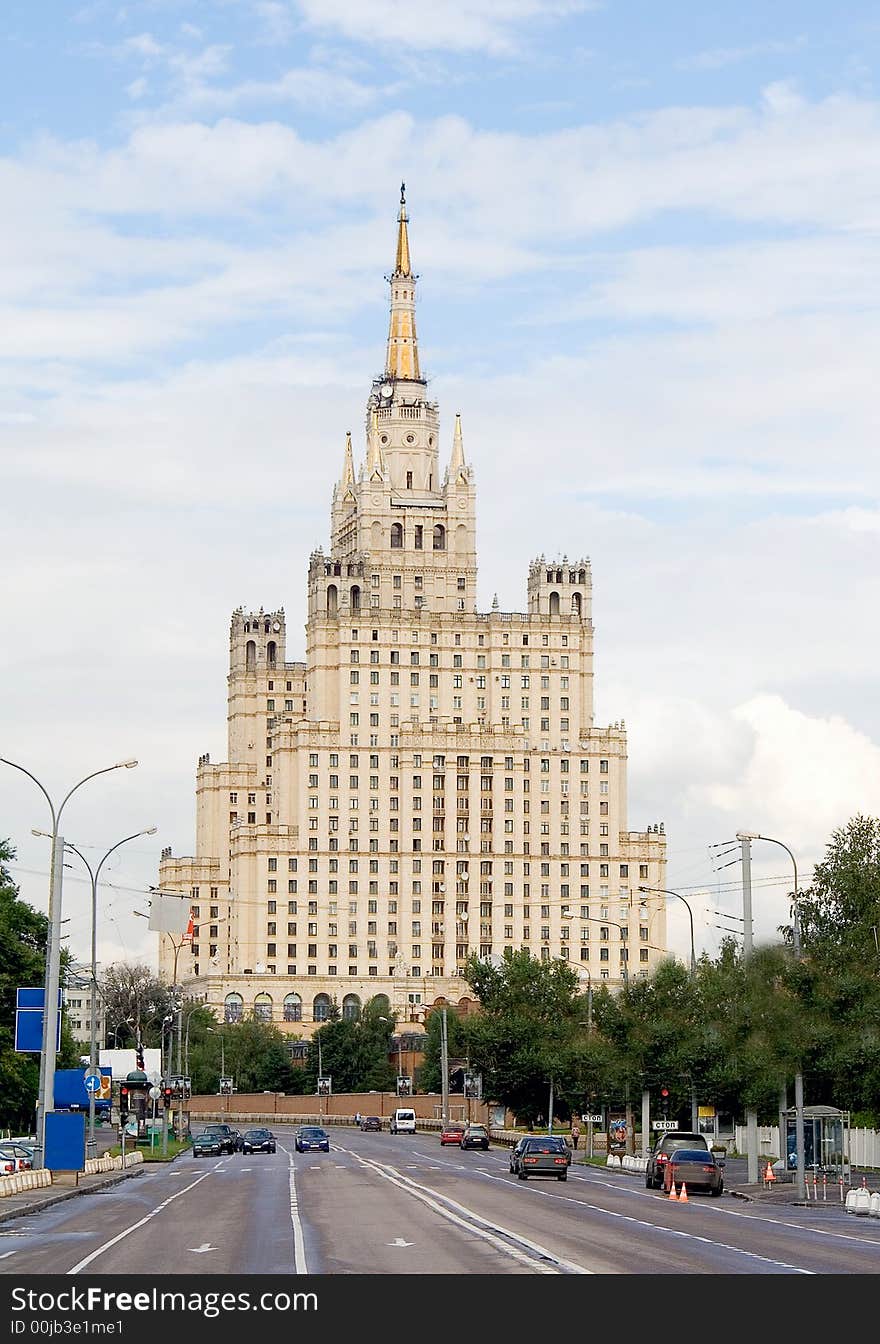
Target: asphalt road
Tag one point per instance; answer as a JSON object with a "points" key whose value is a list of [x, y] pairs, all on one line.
{"points": [[378, 1204]]}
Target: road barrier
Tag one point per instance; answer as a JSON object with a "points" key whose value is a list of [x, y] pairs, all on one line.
{"points": [[24, 1180]]}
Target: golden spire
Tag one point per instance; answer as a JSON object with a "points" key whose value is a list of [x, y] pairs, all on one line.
{"points": [[402, 359], [402, 265], [348, 466]]}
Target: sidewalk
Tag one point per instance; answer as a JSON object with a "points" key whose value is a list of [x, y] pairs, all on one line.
{"points": [[64, 1186]]}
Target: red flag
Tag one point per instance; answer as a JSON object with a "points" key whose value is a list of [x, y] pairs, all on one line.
{"points": [[188, 936]]}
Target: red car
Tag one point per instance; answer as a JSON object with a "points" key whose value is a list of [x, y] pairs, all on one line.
{"points": [[451, 1133]]}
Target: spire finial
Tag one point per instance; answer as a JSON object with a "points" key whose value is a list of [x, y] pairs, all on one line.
{"points": [[402, 358], [456, 462], [348, 465]]}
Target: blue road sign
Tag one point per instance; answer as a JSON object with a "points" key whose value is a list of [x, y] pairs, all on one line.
{"points": [[92, 1082], [29, 1021]]}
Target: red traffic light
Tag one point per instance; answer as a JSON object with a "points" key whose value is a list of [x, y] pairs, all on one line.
{"points": [[123, 1094], [664, 1091]]}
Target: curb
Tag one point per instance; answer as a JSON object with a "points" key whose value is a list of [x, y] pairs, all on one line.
{"points": [[25, 1210]]}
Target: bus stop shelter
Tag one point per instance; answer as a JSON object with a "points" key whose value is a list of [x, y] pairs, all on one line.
{"points": [[826, 1141]]}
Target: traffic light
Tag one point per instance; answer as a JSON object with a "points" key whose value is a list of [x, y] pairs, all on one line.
{"points": [[167, 1094], [123, 1105], [664, 1101]]}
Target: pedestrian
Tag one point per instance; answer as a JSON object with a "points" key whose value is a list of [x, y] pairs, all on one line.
{"points": [[357, 1117], [575, 1135]]}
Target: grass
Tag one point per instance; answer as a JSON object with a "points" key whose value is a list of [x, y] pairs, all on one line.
{"points": [[155, 1153]]}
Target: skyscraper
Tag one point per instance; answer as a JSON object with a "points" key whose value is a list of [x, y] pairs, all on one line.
{"points": [[429, 782]]}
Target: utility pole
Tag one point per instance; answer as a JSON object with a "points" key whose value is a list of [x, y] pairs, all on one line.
{"points": [[751, 1111], [444, 1067], [550, 1109]]}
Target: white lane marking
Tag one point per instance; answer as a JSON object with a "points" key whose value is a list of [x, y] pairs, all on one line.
{"points": [[474, 1223], [205, 1246], [672, 1231], [747, 1215], [299, 1244], [6, 1255], [655, 1227], [398, 1241], [81, 1264]]}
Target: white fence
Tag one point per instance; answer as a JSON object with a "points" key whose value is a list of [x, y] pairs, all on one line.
{"points": [[864, 1144]]}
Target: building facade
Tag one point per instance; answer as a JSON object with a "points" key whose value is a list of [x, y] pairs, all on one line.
{"points": [[429, 781]]}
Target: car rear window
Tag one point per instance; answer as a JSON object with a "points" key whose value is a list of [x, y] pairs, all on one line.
{"points": [[547, 1145], [693, 1155], [672, 1145]]}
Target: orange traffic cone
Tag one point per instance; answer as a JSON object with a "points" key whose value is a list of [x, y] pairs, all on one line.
{"points": [[683, 1197], [672, 1194], [769, 1175]]}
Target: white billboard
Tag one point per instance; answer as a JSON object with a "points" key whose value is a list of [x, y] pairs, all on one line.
{"points": [[169, 913]]}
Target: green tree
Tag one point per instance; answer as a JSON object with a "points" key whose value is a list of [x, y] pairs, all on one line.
{"points": [[840, 911], [530, 1018]]}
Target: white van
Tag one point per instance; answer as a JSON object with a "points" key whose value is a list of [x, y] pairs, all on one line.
{"points": [[403, 1121]]}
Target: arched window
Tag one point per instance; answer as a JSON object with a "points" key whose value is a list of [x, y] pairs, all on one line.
{"points": [[380, 1003], [293, 1008], [250, 655], [332, 600], [554, 604], [263, 1008], [397, 536], [271, 653], [582, 576], [575, 604], [321, 1008], [439, 537], [351, 1007], [419, 533], [233, 1008], [355, 599], [409, 480]]}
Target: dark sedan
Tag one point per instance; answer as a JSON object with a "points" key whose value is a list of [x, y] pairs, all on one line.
{"points": [[475, 1136], [696, 1169], [371, 1122], [206, 1145], [258, 1141], [540, 1155], [311, 1138]]}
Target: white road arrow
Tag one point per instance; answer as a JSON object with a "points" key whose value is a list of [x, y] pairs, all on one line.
{"points": [[6, 1255], [400, 1242], [205, 1246]]}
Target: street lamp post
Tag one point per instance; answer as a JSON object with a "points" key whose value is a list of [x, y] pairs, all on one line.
{"points": [[52, 976], [93, 1039], [666, 892], [800, 1175]]}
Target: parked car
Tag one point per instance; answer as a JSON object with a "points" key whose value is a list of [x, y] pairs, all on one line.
{"points": [[668, 1143], [403, 1121], [258, 1141], [370, 1122], [227, 1136], [540, 1155], [451, 1133], [475, 1136], [207, 1144], [22, 1154], [697, 1169], [311, 1138]]}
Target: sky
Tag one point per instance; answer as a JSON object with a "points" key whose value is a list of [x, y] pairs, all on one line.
{"points": [[647, 241]]}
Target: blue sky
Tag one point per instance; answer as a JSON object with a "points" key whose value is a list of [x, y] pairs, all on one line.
{"points": [[648, 245]]}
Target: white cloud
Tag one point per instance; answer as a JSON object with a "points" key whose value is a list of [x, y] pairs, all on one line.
{"points": [[456, 25]]}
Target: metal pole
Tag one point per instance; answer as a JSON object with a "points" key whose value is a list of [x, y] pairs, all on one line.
{"points": [[46, 1100], [646, 1122], [550, 1109], [444, 1067], [747, 897], [694, 1116]]}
